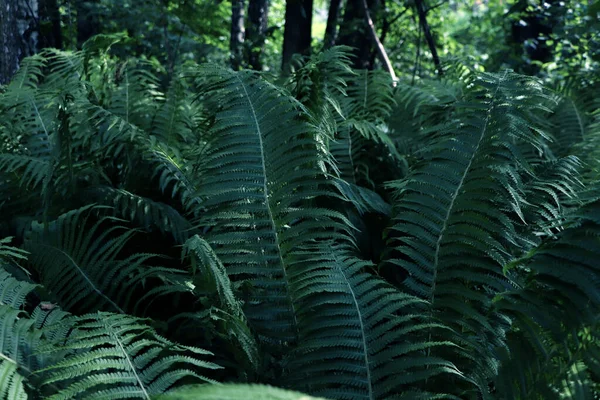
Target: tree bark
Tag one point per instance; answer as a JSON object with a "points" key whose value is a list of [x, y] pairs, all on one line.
{"points": [[385, 60], [49, 20], [258, 13], [236, 42], [87, 23], [353, 33], [332, 22], [18, 35], [428, 36], [297, 36]]}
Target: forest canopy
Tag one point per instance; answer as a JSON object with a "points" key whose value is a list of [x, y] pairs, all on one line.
{"points": [[302, 199]]}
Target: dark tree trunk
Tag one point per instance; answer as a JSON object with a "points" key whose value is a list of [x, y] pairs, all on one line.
{"points": [[428, 37], [87, 22], [332, 23], [379, 49], [354, 33], [18, 35], [297, 36], [50, 31], [258, 14], [236, 42]]}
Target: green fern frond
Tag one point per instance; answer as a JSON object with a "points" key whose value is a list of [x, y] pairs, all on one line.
{"points": [[78, 260], [118, 356], [20, 337], [145, 213], [455, 224], [211, 279], [234, 392], [557, 300], [356, 332], [257, 181]]}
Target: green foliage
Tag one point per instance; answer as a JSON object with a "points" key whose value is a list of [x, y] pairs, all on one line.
{"points": [[235, 391], [334, 234]]}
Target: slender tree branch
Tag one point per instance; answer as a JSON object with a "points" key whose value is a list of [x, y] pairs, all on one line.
{"points": [[387, 24], [428, 36], [436, 6], [417, 57], [385, 60]]}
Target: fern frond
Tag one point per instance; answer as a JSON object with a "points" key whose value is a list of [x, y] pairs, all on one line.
{"points": [[78, 259], [557, 300], [256, 182], [118, 356], [20, 337], [455, 225], [356, 332], [145, 213], [234, 392], [211, 279]]}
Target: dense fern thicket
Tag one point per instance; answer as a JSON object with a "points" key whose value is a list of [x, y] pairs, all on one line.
{"points": [[331, 234]]}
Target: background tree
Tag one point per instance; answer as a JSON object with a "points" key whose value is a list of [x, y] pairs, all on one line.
{"points": [[236, 42], [298, 28], [19, 31], [256, 31]]}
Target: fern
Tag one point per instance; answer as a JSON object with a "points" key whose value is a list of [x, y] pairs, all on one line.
{"points": [[233, 392], [455, 217], [85, 271], [356, 329], [116, 356], [255, 181], [335, 235]]}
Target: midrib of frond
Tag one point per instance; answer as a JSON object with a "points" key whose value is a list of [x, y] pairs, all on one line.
{"points": [[115, 337], [39, 117], [438, 243], [126, 95], [266, 199], [350, 158], [15, 362], [362, 326], [579, 119], [6, 358], [84, 275]]}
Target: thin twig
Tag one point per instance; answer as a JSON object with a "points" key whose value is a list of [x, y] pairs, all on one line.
{"points": [[378, 46], [418, 56]]}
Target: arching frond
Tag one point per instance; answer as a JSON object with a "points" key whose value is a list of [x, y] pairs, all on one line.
{"points": [[456, 215], [256, 182], [357, 331], [211, 279], [118, 356], [145, 213], [556, 302], [78, 259]]}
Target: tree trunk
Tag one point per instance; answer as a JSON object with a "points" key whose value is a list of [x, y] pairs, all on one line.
{"points": [[428, 36], [354, 33], [258, 13], [298, 24], [379, 49], [50, 30], [236, 42], [87, 23], [332, 22], [18, 35]]}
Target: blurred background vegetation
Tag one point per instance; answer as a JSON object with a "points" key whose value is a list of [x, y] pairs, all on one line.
{"points": [[550, 38]]}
